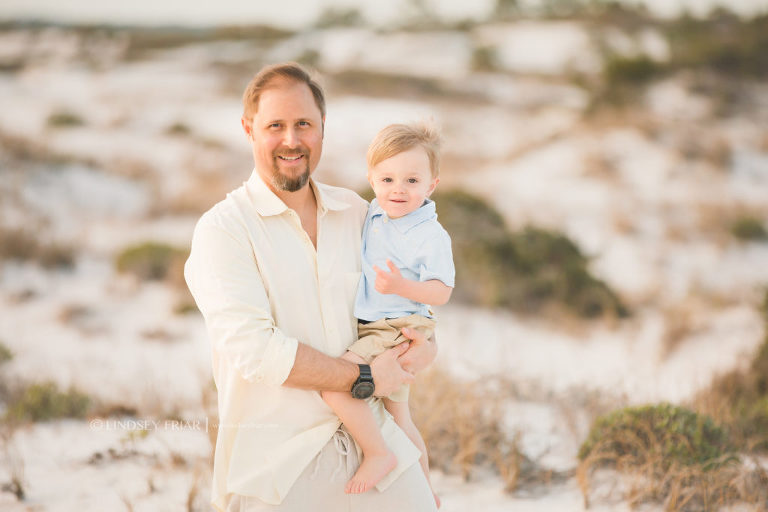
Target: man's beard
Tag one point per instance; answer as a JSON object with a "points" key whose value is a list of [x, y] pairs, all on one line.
{"points": [[282, 182]]}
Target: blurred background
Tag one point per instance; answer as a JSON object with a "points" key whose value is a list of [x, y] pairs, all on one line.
{"points": [[604, 179]]}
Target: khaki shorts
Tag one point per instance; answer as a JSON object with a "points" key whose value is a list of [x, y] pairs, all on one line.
{"points": [[374, 338]]}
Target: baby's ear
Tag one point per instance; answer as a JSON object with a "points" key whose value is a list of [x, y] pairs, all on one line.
{"points": [[433, 186]]}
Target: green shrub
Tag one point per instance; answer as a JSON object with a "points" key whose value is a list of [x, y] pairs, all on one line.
{"points": [[64, 119], [723, 43], [5, 353], [44, 401], [663, 435], [178, 129], [630, 70], [386, 84], [153, 261], [749, 228], [484, 58], [339, 17], [528, 270], [680, 459]]}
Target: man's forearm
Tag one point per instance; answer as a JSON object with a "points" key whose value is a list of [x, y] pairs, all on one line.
{"points": [[314, 370]]}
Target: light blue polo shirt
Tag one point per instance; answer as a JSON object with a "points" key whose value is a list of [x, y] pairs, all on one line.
{"points": [[417, 244]]}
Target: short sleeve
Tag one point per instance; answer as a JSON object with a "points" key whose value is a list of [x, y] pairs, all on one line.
{"points": [[435, 259]]}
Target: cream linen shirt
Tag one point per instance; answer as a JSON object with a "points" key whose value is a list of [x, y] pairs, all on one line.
{"points": [[263, 288]]}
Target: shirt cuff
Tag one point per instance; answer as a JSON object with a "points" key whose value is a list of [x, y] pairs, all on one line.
{"points": [[278, 361]]}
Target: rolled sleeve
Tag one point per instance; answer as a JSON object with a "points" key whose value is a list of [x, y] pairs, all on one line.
{"points": [[224, 279]]}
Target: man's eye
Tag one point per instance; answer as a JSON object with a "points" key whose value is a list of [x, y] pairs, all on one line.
{"points": [[274, 125], [303, 123]]}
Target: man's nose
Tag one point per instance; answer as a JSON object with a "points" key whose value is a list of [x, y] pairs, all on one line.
{"points": [[291, 138]]}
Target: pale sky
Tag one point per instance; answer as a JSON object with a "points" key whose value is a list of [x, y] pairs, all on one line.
{"points": [[290, 15]]}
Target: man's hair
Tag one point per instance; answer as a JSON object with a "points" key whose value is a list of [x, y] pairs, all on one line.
{"points": [[266, 78], [396, 138]]}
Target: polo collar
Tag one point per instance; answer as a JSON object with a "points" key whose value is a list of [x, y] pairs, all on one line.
{"points": [[268, 204], [423, 213]]}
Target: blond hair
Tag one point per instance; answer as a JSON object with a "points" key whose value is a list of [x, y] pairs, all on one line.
{"points": [[287, 71], [397, 138]]}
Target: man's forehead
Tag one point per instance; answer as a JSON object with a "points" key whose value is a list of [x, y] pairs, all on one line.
{"points": [[287, 97]]}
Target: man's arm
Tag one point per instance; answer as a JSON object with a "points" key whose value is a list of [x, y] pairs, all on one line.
{"points": [[314, 370]]}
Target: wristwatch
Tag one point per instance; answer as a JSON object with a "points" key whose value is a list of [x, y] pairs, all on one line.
{"points": [[363, 386]]}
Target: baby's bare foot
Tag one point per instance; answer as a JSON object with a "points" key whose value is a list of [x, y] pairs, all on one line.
{"points": [[370, 472]]}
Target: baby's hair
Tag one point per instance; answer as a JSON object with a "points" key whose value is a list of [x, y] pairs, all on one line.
{"points": [[396, 138]]}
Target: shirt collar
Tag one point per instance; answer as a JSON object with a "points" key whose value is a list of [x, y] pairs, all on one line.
{"points": [[267, 203], [423, 213]]}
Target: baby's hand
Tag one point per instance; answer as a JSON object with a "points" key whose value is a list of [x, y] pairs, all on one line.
{"points": [[388, 282]]}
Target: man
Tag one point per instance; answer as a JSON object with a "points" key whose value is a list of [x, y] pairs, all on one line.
{"points": [[274, 270]]}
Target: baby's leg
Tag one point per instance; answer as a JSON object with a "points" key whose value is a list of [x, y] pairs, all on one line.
{"points": [[402, 415], [358, 418]]}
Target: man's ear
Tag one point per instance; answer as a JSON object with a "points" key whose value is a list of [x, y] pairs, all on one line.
{"points": [[322, 129], [247, 127]]}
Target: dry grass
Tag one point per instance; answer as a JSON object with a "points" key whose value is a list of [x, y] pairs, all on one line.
{"points": [[681, 321], [5, 353], [680, 488], [13, 462], [462, 425], [159, 335], [725, 221], [601, 167], [200, 192], [696, 144], [18, 244]]}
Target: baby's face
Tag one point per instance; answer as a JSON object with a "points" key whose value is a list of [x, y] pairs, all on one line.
{"points": [[402, 182]]}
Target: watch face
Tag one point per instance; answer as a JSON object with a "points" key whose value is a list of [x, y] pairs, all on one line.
{"points": [[362, 390]]}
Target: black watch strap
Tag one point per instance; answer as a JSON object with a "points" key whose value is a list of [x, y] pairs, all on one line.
{"points": [[363, 386]]}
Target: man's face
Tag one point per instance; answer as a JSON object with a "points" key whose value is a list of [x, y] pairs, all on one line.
{"points": [[286, 135], [402, 182]]}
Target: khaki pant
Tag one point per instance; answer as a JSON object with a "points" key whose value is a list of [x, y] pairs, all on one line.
{"points": [[321, 487], [373, 338]]}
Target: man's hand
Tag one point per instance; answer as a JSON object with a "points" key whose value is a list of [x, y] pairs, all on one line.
{"points": [[389, 282], [387, 373], [420, 353]]}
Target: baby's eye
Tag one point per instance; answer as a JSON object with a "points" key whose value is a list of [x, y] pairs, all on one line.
{"points": [[413, 180], [386, 180]]}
